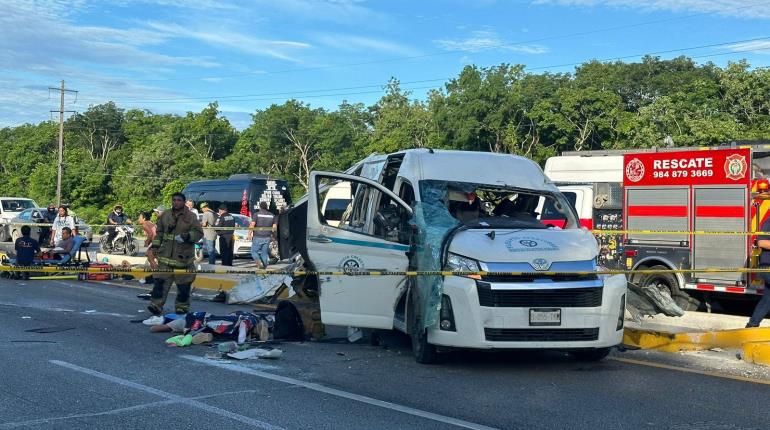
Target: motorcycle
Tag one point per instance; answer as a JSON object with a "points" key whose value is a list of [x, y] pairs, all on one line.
{"points": [[122, 243]]}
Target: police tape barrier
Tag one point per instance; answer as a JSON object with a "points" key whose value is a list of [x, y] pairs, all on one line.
{"points": [[625, 232], [137, 225], [127, 270], [695, 233]]}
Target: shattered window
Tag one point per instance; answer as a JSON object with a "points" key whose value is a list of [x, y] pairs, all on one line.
{"points": [[504, 207], [359, 207]]}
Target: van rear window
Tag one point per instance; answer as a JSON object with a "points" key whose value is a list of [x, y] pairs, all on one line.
{"points": [[549, 209]]}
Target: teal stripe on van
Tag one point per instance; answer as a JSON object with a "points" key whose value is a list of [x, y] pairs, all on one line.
{"points": [[394, 246]]}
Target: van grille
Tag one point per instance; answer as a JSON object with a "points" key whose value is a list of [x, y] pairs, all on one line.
{"points": [[561, 298], [537, 277], [541, 334]]}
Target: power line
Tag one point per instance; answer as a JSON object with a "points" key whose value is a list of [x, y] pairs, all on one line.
{"points": [[449, 52], [258, 97]]}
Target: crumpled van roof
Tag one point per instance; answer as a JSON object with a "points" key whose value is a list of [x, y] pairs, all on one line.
{"points": [[476, 167]]}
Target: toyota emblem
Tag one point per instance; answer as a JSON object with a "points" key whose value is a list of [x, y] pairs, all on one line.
{"points": [[540, 264]]}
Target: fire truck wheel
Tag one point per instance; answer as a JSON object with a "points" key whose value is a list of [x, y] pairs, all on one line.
{"points": [[669, 281]]}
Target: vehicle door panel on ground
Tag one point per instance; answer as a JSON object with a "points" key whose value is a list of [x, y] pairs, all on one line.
{"points": [[364, 240]]}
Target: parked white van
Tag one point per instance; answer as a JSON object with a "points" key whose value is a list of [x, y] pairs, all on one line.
{"points": [[10, 208], [470, 218]]}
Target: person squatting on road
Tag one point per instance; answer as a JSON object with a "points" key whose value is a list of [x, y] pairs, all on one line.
{"points": [[265, 222], [27, 249], [177, 231], [226, 236], [209, 234], [60, 222]]}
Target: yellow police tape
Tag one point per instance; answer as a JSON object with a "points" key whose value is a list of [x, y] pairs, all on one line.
{"points": [[671, 232], [126, 270], [713, 233], [137, 225]]}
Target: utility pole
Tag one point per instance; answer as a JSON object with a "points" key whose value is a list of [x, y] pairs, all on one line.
{"points": [[61, 138]]}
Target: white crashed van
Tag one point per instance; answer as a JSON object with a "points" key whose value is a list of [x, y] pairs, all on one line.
{"points": [[492, 275]]}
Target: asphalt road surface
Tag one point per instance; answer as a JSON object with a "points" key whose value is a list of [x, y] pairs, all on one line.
{"points": [[72, 359]]}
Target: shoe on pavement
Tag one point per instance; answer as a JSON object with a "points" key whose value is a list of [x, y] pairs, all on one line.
{"points": [[200, 338], [154, 320]]}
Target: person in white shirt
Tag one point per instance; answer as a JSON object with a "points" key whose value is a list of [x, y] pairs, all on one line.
{"points": [[62, 220], [191, 207]]}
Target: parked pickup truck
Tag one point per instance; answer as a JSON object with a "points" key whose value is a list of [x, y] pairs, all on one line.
{"points": [[468, 213]]}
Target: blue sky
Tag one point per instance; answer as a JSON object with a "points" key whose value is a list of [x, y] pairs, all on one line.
{"points": [[173, 56]]}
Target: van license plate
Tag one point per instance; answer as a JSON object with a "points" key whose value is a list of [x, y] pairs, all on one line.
{"points": [[540, 317]]}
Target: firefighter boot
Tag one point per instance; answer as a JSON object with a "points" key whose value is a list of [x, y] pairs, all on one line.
{"points": [[182, 305], [158, 296]]}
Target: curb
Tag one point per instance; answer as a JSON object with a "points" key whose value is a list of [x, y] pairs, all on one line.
{"points": [[756, 352], [754, 342]]}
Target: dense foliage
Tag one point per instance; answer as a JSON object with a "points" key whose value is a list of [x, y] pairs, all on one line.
{"points": [[139, 158]]}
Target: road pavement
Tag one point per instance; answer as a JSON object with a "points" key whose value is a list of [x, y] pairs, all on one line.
{"points": [[73, 359]]}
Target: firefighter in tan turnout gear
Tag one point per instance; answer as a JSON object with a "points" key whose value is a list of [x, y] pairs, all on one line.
{"points": [[178, 230]]}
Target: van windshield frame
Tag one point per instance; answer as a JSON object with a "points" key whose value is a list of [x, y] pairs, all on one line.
{"points": [[497, 206]]}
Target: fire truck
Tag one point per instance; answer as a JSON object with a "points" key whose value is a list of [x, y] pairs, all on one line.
{"points": [[702, 193]]}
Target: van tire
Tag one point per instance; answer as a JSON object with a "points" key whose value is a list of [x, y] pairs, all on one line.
{"points": [[587, 355], [682, 299], [424, 352]]}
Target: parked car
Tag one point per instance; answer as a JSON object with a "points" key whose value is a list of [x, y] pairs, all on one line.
{"points": [[242, 245], [35, 215], [10, 208]]}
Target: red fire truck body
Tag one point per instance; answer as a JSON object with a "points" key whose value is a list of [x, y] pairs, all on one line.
{"points": [[698, 194]]}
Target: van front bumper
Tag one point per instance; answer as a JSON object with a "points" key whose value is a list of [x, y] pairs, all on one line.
{"points": [[486, 327]]}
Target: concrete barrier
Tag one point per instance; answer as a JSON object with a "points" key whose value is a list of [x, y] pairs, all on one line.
{"points": [[698, 332]]}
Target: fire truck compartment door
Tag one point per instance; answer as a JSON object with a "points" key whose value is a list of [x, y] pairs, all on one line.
{"points": [[658, 209], [720, 208]]}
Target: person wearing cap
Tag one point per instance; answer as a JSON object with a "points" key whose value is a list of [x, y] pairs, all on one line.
{"points": [[264, 224], [177, 231], [209, 234], [763, 242], [226, 221]]}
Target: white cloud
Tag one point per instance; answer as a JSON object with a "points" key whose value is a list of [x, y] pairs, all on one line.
{"points": [[488, 40], [233, 41], [758, 46], [359, 43], [735, 8]]}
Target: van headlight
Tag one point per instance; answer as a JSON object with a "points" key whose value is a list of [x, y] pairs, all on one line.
{"points": [[458, 263]]}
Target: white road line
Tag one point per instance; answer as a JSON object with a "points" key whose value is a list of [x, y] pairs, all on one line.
{"points": [[339, 393], [168, 396], [114, 411]]}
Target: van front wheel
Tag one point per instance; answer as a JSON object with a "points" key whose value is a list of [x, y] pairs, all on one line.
{"points": [[424, 352], [595, 354]]}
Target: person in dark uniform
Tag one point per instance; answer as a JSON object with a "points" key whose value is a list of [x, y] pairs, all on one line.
{"points": [[225, 236], [763, 242], [26, 249]]}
